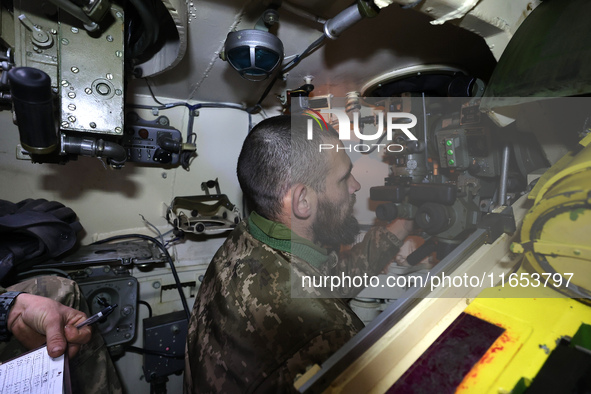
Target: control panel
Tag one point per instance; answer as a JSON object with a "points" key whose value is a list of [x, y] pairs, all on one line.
{"points": [[151, 142]]}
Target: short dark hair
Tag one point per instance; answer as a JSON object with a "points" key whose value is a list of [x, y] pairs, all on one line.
{"points": [[267, 169]]}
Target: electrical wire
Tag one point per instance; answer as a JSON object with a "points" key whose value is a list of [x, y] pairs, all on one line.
{"points": [[172, 241], [166, 254], [153, 227], [311, 48], [147, 305], [152, 92], [294, 62]]}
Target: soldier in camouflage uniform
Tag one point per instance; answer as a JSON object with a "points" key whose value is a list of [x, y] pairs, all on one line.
{"points": [[254, 327], [91, 368]]}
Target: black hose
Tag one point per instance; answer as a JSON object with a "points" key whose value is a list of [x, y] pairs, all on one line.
{"points": [[114, 151]]}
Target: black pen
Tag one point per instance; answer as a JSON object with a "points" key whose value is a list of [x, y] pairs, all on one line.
{"points": [[96, 317]]}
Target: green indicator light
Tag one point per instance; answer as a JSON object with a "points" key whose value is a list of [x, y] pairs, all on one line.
{"points": [[450, 152], [452, 162], [448, 142]]}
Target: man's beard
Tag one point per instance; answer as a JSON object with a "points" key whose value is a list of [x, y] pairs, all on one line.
{"points": [[330, 229]]}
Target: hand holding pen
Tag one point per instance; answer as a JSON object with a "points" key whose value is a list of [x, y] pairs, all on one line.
{"points": [[35, 320], [97, 316]]}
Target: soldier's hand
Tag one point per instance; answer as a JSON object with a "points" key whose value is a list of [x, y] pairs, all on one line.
{"points": [[35, 320], [401, 228]]}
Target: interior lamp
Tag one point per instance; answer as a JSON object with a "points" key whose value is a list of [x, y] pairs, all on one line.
{"points": [[254, 53]]}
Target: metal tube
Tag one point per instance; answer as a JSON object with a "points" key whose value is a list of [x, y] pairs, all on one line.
{"points": [[345, 19], [93, 148], [504, 175]]}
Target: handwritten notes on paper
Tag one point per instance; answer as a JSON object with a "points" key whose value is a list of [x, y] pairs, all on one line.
{"points": [[33, 373]]}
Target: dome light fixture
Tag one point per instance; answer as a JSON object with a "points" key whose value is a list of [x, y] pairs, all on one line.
{"points": [[255, 54]]}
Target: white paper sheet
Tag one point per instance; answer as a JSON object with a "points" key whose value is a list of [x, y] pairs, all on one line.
{"points": [[33, 373]]}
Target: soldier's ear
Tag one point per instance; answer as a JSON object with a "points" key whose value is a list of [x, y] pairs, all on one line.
{"points": [[303, 201]]}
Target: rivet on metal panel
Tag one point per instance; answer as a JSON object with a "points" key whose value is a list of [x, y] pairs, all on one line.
{"points": [[119, 53], [75, 69], [110, 38], [53, 31], [118, 92], [72, 118], [74, 30], [65, 124], [156, 285], [65, 83], [109, 76], [92, 125], [118, 130], [72, 107], [88, 91], [71, 95], [65, 41]]}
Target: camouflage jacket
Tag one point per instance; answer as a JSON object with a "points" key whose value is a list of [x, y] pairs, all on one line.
{"points": [[91, 370], [247, 333]]}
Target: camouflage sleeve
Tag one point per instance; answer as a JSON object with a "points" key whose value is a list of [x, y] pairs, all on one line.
{"points": [[315, 351], [92, 370], [377, 249], [366, 258]]}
